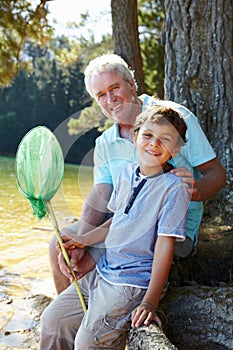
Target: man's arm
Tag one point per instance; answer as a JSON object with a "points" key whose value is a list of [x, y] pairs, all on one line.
{"points": [[93, 213], [212, 181], [95, 208]]}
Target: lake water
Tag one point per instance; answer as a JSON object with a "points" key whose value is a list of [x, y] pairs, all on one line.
{"points": [[24, 262]]}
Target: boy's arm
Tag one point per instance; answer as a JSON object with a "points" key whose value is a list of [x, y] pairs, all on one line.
{"points": [[96, 235], [145, 313]]}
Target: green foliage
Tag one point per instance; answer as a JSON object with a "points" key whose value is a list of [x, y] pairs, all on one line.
{"points": [[89, 118], [153, 65], [48, 95], [150, 18], [19, 22], [9, 123], [43, 75]]}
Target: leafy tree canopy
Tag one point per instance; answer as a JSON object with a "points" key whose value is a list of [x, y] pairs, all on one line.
{"points": [[56, 63], [20, 22]]}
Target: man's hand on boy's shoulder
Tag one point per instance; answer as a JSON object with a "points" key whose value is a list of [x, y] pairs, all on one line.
{"points": [[188, 178]]}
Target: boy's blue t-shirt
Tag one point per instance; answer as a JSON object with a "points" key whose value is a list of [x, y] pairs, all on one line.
{"points": [[159, 209]]}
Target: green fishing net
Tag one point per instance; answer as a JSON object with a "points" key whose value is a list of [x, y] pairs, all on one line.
{"points": [[39, 168]]}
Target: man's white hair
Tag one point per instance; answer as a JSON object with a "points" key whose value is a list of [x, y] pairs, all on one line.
{"points": [[105, 63]]}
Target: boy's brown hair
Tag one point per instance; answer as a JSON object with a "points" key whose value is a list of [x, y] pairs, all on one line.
{"points": [[163, 115]]}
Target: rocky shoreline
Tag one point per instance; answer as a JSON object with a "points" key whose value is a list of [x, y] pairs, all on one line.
{"points": [[20, 316]]}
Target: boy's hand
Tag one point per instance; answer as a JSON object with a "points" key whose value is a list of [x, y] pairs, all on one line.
{"points": [[68, 243], [145, 313]]}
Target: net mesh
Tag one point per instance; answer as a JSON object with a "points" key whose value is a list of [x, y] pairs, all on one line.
{"points": [[39, 168]]}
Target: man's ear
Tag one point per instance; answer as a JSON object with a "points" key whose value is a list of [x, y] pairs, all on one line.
{"points": [[132, 85]]}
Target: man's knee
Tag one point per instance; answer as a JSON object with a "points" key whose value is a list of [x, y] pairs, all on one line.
{"points": [[53, 252], [60, 281], [56, 330], [48, 320]]}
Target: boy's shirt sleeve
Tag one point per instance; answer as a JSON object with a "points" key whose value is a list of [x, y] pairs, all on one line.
{"points": [[173, 214]]}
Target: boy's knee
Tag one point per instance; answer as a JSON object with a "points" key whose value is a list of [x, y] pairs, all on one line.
{"points": [[83, 340]]}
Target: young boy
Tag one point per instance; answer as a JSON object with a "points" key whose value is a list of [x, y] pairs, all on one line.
{"points": [[149, 206]]}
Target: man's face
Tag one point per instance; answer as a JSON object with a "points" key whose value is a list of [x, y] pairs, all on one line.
{"points": [[116, 97]]}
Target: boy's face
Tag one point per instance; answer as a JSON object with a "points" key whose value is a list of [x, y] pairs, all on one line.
{"points": [[116, 97], [155, 144]]}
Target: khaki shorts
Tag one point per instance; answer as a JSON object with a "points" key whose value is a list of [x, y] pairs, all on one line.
{"points": [[104, 325]]}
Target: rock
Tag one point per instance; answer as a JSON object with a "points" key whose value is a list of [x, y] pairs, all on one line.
{"points": [[35, 305], [200, 317], [148, 338]]}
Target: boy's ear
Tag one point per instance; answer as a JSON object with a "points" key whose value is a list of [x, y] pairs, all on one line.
{"points": [[175, 151], [135, 134]]}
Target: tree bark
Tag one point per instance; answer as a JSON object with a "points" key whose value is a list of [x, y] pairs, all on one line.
{"points": [[126, 37], [199, 72], [148, 338], [200, 317], [195, 318]]}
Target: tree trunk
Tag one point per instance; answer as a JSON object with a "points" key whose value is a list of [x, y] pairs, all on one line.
{"points": [[126, 36], [200, 317], [195, 318], [199, 73]]}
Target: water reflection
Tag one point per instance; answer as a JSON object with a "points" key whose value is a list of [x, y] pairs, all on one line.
{"points": [[24, 263]]}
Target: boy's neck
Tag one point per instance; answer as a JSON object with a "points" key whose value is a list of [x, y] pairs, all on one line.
{"points": [[160, 169]]}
